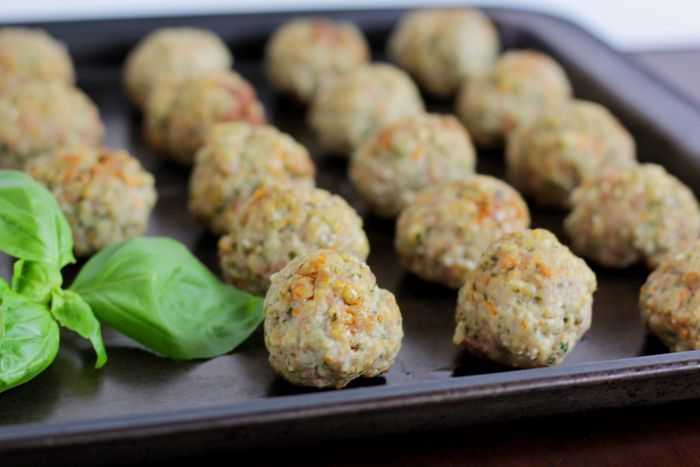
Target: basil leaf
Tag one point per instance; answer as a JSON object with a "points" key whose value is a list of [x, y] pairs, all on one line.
{"points": [[30, 342], [156, 292], [35, 280], [72, 312], [3, 287], [32, 225]]}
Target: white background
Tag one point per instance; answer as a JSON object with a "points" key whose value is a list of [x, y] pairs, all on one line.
{"points": [[627, 24]]}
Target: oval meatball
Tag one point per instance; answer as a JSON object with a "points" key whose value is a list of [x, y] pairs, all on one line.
{"points": [[442, 48], [278, 224], [527, 303], [176, 54], [304, 52], [31, 54], [235, 160], [670, 299], [37, 118], [105, 194], [350, 108], [564, 146], [522, 84], [327, 322], [411, 154], [633, 214], [442, 234]]}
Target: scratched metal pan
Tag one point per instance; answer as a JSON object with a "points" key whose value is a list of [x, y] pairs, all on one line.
{"points": [[140, 402]]}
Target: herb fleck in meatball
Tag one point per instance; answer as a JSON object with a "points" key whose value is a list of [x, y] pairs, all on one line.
{"points": [[304, 52], [564, 146], [522, 84], [637, 213], [179, 116], [39, 117], [442, 234], [406, 156], [442, 48], [235, 160], [278, 224], [350, 108], [327, 322], [105, 194], [31, 54], [527, 303], [174, 53]]}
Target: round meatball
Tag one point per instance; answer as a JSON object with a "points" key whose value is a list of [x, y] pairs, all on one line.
{"points": [[637, 213], [521, 85], [38, 117], [277, 224], [442, 234], [411, 154], [31, 54], [527, 303], [350, 108], [105, 194], [304, 52], [327, 322], [236, 159], [173, 53], [564, 146], [179, 116], [442, 48], [670, 299]]}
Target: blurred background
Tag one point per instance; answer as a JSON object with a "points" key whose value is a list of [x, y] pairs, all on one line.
{"points": [[627, 24]]}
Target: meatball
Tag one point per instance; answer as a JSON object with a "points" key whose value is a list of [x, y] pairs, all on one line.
{"points": [[350, 108], [277, 224], [564, 146], [31, 54], [304, 52], [38, 117], [327, 322], [235, 160], [442, 48], [172, 53], [406, 156], [637, 213], [105, 194], [527, 303], [521, 85], [179, 116], [442, 234]]}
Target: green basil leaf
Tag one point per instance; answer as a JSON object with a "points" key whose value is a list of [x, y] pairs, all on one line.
{"points": [[156, 292], [72, 312], [35, 280], [32, 225], [30, 342], [4, 286]]}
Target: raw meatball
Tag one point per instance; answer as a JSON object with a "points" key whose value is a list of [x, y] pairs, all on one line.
{"points": [[278, 224], [105, 194], [304, 52], [637, 213], [236, 159], [413, 153], [350, 108], [327, 322], [39, 117], [521, 85], [564, 146], [527, 303], [31, 54], [442, 48], [670, 299], [179, 116], [172, 53], [442, 234]]}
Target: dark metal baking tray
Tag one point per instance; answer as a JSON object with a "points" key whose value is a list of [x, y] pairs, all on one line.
{"points": [[139, 401]]}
